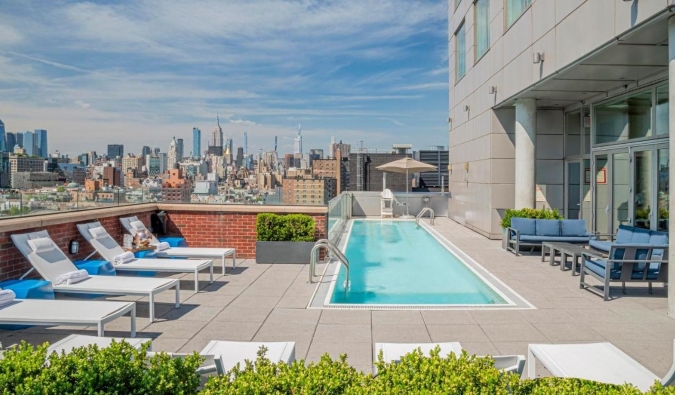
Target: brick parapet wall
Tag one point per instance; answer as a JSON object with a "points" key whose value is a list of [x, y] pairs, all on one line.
{"points": [[201, 225]]}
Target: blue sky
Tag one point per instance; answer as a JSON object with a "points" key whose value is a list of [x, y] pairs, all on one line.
{"points": [[138, 72]]}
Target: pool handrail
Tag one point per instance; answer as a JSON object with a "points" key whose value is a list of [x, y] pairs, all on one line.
{"points": [[325, 243], [432, 215]]}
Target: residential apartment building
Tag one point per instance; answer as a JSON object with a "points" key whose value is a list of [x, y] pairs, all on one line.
{"points": [[19, 163], [35, 180], [332, 168], [366, 177], [134, 163], [308, 191], [176, 188], [563, 104]]}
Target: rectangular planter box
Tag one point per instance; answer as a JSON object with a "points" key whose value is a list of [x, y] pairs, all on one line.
{"points": [[283, 252]]}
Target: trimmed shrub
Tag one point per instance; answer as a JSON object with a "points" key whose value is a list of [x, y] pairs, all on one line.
{"points": [[290, 227], [117, 369], [529, 213]]}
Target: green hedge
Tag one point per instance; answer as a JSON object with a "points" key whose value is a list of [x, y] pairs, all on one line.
{"points": [[120, 369], [529, 213], [290, 227]]}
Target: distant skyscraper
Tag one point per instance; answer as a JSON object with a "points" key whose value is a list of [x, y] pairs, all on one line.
{"points": [[29, 143], [245, 143], [145, 151], [180, 150], [3, 143], [217, 134], [240, 157], [297, 144], [196, 143], [41, 143], [172, 156], [115, 150], [10, 142], [19, 138]]}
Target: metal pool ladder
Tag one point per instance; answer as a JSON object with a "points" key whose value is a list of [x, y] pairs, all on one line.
{"points": [[424, 211], [325, 243]]}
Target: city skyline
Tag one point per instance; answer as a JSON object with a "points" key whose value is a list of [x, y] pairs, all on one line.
{"points": [[376, 73]]}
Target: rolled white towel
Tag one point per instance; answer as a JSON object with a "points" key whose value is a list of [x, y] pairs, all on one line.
{"points": [[7, 296], [72, 277], [123, 258], [162, 246]]}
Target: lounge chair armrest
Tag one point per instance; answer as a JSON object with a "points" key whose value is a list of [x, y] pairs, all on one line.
{"points": [[516, 232], [597, 235], [622, 261]]}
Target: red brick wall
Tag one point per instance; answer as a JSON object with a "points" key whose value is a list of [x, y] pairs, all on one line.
{"points": [[223, 229], [13, 264]]}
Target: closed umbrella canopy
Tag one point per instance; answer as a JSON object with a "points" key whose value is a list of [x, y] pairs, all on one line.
{"points": [[406, 165]]}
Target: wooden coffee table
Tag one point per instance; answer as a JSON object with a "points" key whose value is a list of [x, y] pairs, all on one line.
{"points": [[566, 249]]}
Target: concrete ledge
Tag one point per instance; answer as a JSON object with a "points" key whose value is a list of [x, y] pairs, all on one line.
{"points": [[243, 208], [44, 220]]}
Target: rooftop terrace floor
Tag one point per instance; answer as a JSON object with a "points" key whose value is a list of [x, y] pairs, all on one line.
{"points": [[257, 302]]}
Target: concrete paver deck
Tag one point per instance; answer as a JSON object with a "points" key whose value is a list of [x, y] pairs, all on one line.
{"points": [[257, 302]]}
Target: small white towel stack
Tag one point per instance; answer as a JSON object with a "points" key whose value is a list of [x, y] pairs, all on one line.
{"points": [[162, 246], [7, 296], [72, 277], [123, 258]]}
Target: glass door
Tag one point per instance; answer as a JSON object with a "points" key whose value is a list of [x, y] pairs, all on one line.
{"points": [[602, 199], [621, 190], [643, 188], [663, 193], [611, 180], [573, 204]]}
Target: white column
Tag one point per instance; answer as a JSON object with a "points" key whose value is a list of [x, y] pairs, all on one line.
{"points": [[671, 175], [526, 143]]}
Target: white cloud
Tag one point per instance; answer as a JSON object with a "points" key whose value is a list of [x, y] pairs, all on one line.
{"points": [[82, 104]]}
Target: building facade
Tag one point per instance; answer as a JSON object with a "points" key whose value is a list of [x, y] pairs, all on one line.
{"points": [[332, 168], [371, 179], [196, 143], [176, 188], [26, 164], [562, 104], [115, 150], [41, 143], [35, 180], [3, 140], [308, 191]]}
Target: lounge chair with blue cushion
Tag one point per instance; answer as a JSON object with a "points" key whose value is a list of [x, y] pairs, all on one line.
{"points": [[526, 232], [626, 263]]}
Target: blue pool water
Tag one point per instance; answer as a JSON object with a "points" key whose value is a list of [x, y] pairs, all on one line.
{"points": [[396, 262]]}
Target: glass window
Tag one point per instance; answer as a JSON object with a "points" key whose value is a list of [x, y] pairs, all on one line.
{"points": [[514, 9], [664, 190], [662, 110], [460, 39], [624, 119], [482, 27], [573, 133]]}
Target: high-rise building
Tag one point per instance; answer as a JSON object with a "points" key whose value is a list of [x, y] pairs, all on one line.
{"points": [[245, 143], [176, 188], [180, 150], [217, 134], [145, 151], [10, 142], [173, 153], [132, 162], [345, 149], [29, 144], [297, 143], [19, 138], [240, 157], [115, 150], [196, 143], [41, 143], [3, 144], [112, 176]]}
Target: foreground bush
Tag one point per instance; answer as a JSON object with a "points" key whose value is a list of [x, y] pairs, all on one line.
{"points": [[118, 369], [288, 227]]}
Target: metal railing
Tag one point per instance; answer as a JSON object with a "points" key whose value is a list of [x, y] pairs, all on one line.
{"points": [[332, 248], [424, 211]]}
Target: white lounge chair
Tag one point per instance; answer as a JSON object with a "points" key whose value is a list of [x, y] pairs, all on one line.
{"points": [[133, 225], [601, 362], [67, 344], [66, 312], [108, 248], [53, 262], [232, 353], [393, 352], [387, 203]]}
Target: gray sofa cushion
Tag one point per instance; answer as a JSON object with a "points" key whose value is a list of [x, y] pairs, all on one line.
{"points": [[562, 239], [524, 225], [640, 236], [547, 227], [601, 245], [624, 234], [573, 227]]}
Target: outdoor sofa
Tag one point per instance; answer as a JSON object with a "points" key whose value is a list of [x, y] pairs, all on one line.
{"points": [[629, 235], [526, 232]]}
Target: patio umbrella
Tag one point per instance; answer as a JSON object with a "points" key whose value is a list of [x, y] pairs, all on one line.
{"points": [[407, 166]]}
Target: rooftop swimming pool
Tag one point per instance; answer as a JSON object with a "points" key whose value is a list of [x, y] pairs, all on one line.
{"points": [[399, 263]]}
